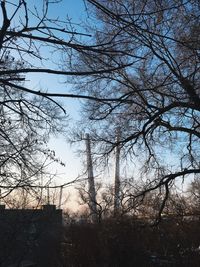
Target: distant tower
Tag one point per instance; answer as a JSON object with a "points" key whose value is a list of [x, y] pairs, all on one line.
{"points": [[92, 192], [117, 174]]}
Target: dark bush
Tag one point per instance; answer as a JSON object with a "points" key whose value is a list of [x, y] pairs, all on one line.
{"points": [[127, 242]]}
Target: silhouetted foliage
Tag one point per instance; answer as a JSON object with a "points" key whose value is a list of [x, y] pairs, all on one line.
{"points": [[129, 242]]}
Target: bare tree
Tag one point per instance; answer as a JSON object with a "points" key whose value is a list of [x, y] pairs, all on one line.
{"points": [[194, 197], [28, 119], [140, 69], [31, 34], [155, 98]]}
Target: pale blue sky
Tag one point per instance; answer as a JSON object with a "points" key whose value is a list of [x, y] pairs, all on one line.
{"points": [[74, 10]]}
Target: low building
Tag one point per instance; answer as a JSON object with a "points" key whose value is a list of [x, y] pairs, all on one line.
{"points": [[30, 237]]}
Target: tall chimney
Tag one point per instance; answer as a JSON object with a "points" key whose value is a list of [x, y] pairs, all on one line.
{"points": [[92, 192], [117, 174]]}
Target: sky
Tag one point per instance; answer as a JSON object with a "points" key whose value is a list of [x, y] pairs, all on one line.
{"points": [[75, 11]]}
